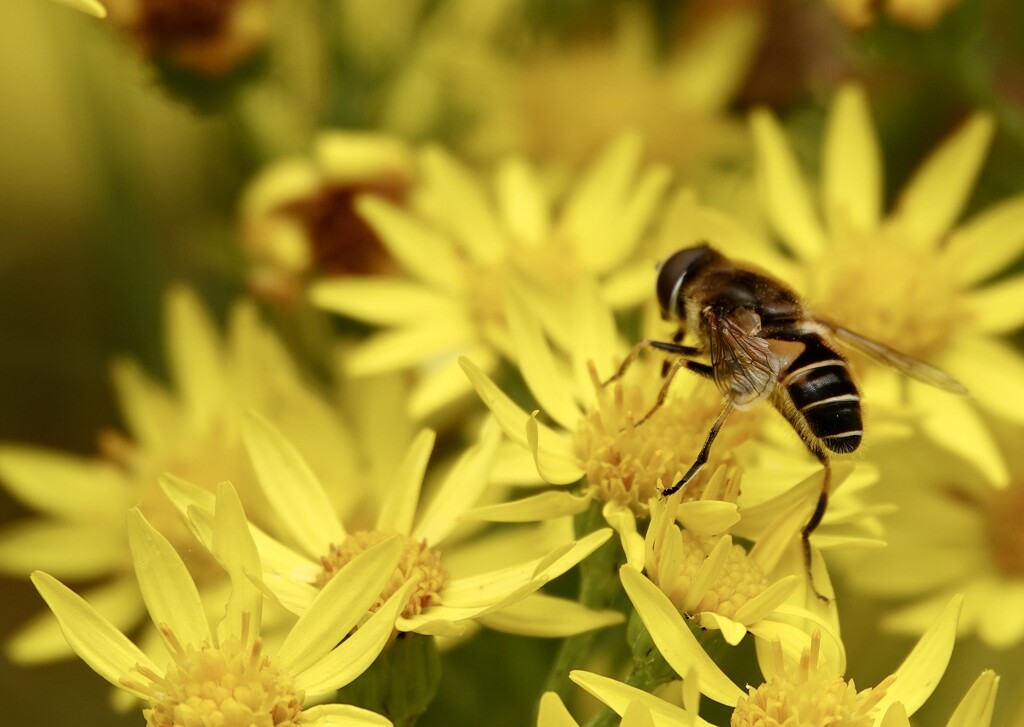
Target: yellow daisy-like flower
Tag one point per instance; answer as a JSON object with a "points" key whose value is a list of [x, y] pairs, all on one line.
{"points": [[220, 674], [298, 215], [804, 682], [91, 7], [465, 245], [910, 279], [952, 533], [449, 593], [921, 14], [193, 429], [537, 106]]}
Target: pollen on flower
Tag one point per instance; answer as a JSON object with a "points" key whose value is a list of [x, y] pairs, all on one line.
{"points": [[740, 579], [806, 694], [417, 560], [230, 685], [894, 293], [627, 463]]}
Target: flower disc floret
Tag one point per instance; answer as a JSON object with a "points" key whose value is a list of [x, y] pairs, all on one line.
{"points": [[226, 686], [417, 560], [807, 695], [740, 579]]}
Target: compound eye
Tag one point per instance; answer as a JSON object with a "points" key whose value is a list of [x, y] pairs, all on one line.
{"points": [[671, 277]]}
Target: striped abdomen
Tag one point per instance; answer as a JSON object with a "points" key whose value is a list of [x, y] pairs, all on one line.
{"points": [[820, 386]]}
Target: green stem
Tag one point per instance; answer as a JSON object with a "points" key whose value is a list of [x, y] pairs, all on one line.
{"points": [[598, 586]]}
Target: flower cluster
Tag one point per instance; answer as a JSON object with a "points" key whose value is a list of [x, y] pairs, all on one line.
{"points": [[544, 387]]}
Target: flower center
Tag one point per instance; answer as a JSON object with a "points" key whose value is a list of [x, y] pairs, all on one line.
{"points": [[228, 686], [804, 695], [893, 293], [625, 463], [417, 560], [1005, 514], [739, 580]]}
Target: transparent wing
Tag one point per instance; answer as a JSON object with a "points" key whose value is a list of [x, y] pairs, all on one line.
{"points": [[908, 365], [744, 368]]}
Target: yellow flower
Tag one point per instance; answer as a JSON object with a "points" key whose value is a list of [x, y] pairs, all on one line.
{"points": [[911, 279], [193, 429], [952, 533], [220, 674], [464, 245], [211, 37], [804, 682], [298, 216], [921, 14], [638, 712], [449, 592], [92, 7], [547, 103]]}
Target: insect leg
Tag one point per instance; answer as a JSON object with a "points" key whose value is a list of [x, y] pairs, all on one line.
{"points": [[677, 338], [702, 457], [649, 343], [696, 367]]}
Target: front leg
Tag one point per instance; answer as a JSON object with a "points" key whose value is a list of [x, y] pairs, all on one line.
{"points": [[687, 351]]}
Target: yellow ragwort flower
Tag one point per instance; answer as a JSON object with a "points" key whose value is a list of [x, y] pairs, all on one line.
{"points": [[192, 429], [449, 593], [464, 245], [221, 674], [911, 279]]}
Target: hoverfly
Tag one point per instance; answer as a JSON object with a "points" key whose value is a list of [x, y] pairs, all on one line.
{"points": [[756, 341]]}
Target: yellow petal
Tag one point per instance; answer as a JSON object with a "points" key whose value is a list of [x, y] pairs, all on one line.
{"points": [[782, 188], [524, 210], [673, 638], [507, 413], [68, 550], [553, 713], [921, 671], [195, 356], [975, 709], [148, 409], [623, 521], [291, 487], [539, 367], [514, 465], [444, 382], [234, 549], [458, 198], [383, 301], [339, 606], [620, 696], [403, 498], [762, 605], [461, 488], [852, 173], [40, 639], [988, 242], [707, 573], [895, 716], [544, 506], [167, 588], [635, 218], [553, 453], [732, 631], [91, 7], [96, 641], [342, 715], [935, 196], [549, 617], [355, 654], [596, 340], [422, 252], [998, 308], [708, 517], [69, 487], [399, 348]]}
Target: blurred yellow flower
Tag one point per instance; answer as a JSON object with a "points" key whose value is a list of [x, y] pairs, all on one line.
{"points": [[192, 429], [443, 601], [298, 215], [209, 37], [911, 280], [465, 245], [221, 674]]}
